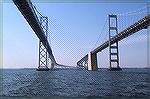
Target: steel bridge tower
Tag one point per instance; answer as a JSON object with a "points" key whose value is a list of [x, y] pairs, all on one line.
{"points": [[43, 54], [113, 48]]}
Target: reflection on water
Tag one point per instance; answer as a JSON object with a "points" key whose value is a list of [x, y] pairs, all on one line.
{"points": [[76, 83]]}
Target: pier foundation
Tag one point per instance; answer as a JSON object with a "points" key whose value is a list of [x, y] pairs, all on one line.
{"points": [[92, 61]]}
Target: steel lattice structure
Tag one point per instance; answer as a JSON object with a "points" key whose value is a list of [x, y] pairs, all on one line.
{"points": [[43, 54]]}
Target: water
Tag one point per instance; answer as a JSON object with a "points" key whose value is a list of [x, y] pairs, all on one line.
{"points": [[76, 83]]}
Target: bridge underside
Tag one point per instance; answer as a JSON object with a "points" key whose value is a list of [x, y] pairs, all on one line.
{"points": [[27, 10]]}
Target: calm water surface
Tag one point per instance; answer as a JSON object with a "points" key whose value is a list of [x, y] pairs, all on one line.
{"points": [[76, 83]]}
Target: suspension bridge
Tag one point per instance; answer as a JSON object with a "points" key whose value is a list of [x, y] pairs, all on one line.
{"points": [[40, 28], [91, 58]]}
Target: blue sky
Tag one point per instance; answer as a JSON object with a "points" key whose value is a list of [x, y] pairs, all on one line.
{"points": [[73, 29]]}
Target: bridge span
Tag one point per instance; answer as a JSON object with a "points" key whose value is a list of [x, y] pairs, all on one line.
{"points": [[92, 56], [27, 10]]}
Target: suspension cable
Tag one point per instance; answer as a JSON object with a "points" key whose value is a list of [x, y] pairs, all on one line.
{"points": [[133, 12], [37, 10], [100, 33], [106, 37]]}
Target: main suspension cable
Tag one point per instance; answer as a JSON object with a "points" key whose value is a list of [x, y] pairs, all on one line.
{"points": [[100, 33]]}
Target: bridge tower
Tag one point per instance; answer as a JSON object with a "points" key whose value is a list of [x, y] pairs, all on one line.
{"points": [[113, 48], [43, 54]]}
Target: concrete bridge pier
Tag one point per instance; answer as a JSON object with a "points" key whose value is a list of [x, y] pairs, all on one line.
{"points": [[92, 62]]}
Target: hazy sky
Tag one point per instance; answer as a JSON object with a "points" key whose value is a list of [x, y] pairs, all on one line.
{"points": [[73, 29]]}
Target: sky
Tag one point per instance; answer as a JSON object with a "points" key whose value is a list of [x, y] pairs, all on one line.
{"points": [[74, 29]]}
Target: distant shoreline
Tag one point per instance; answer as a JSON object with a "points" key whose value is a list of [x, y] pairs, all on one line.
{"points": [[74, 68]]}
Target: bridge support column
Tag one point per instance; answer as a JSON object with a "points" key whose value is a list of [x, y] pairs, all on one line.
{"points": [[113, 48], [92, 61], [43, 54]]}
